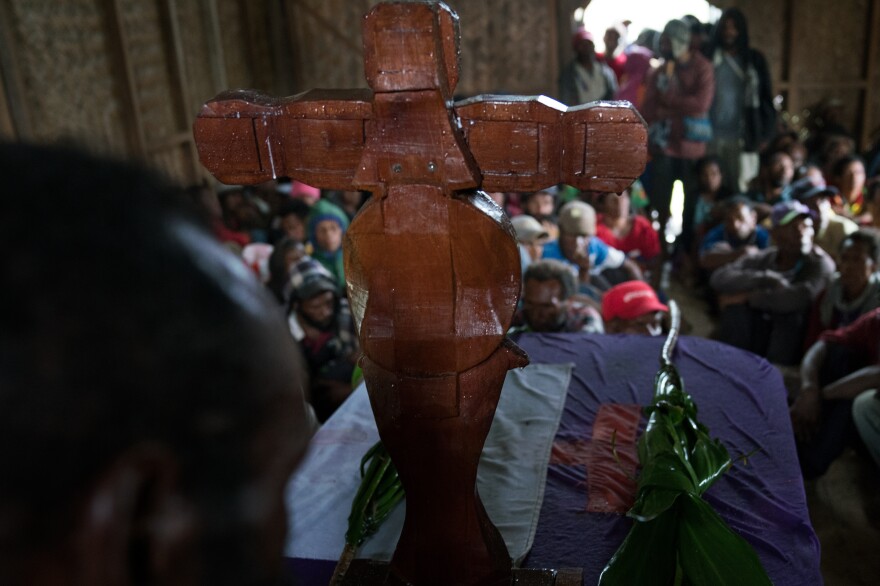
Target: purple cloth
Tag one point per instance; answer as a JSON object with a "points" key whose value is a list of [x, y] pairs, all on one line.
{"points": [[741, 399]]}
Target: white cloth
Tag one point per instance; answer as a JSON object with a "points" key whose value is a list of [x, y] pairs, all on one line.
{"points": [[510, 479]]}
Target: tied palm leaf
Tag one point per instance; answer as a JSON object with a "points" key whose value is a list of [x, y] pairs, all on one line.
{"points": [[677, 538], [378, 494]]}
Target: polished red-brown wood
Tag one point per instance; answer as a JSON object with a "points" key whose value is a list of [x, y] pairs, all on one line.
{"points": [[432, 265]]}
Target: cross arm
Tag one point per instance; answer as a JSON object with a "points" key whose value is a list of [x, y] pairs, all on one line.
{"points": [[530, 143], [317, 137]]}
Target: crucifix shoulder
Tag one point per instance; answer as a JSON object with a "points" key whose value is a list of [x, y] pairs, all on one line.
{"points": [[407, 127]]}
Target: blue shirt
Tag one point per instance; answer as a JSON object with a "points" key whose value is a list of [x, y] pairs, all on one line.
{"points": [[601, 255], [760, 238]]}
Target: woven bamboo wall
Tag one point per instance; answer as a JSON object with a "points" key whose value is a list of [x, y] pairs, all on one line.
{"points": [[68, 85], [821, 50], [197, 56], [507, 46], [128, 76]]}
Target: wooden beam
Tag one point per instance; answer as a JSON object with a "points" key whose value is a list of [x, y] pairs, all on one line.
{"points": [[328, 26], [131, 112], [792, 83], [553, 42], [7, 128], [215, 46], [16, 113], [170, 141], [245, 12], [177, 62], [871, 65], [282, 49], [852, 84]]}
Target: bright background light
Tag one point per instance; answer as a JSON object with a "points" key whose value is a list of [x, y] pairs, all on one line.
{"points": [[601, 14]]}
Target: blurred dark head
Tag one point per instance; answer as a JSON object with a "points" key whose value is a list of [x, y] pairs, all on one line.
{"points": [[857, 260], [740, 218], [547, 284], [777, 168], [731, 32], [150, 409]]}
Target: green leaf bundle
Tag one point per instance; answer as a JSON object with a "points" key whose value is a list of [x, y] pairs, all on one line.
{"points": [[677, 538], [379, 492]]}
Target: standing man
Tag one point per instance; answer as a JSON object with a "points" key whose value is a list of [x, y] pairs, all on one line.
{"points": [[615, 44], [585, 78], [743, 116], [677, 99]]}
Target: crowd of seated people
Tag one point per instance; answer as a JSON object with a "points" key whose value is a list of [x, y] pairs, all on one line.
{"points": [[781, 231], [776, 231]]}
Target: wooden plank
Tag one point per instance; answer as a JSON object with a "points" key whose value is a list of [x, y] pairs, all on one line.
{"points": [[131, 112], [852, 84], [328, 26], [7, 128], [171, 141], [282, 51], [245, 11], [871, 65], [794, 101], [15, 116], [171, 27], [215, 45], [554, 64]]}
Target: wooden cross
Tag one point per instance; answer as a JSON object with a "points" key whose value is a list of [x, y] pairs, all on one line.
{"points": [[432, 266]]}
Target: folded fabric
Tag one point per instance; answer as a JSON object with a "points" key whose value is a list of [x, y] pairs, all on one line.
{"points": [[510, 479]]}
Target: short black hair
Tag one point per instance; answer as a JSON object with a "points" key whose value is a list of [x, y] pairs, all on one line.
{"points": [[730, 204], [704, 162], [552, 270], [765, 159], [842, 163], [869, 238], [295, 206], [116, 331]]}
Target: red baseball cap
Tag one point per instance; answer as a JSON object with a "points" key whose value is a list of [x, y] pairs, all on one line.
{"points": [[630, 300]]}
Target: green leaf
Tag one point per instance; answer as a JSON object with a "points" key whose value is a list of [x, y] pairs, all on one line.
{"points": [[647, 555], [677, 539], [380, 490], [710, 553], [666, 471], [653, 502], [710, 460]]}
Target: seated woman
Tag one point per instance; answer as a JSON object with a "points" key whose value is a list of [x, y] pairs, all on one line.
{"points": [[848, 176], [630, 233], [710, 182], [871, 217]]}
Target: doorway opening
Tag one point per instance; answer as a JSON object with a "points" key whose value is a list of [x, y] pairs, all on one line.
{"points": [[636, 16]]}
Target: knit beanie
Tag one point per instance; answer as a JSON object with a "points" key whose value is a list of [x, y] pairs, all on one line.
{"points": [[325, 210]]}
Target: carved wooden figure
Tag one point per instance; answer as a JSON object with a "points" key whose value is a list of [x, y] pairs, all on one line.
{"points": [[432, 266]]}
